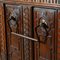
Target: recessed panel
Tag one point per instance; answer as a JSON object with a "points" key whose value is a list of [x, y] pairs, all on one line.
{"points": [[44, 30]]}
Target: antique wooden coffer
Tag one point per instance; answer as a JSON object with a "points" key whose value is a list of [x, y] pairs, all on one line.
{"points": [[31, 32]]}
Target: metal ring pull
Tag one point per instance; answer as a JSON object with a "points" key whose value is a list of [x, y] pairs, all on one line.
{"points": [[44, 28], [12, 22]]}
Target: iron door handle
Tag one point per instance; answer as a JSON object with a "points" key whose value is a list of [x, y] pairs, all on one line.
{"points": [[13, 18], [45, 28]]}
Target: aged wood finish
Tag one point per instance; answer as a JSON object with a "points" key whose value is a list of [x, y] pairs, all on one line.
{"points": [[31, 3], [27, 26], [2, 34], [22, 23], [17, 49], [37, 1], [14, 43], [47, 46], [58, 48]]}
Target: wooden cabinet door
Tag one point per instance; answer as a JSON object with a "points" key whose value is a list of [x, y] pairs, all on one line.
{"points": [[18, 20], [45, 22], [38, 23]]}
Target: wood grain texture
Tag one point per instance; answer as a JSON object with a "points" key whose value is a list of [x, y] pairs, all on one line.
{"points": [[41, 49], [2, 34], [2, 30]]}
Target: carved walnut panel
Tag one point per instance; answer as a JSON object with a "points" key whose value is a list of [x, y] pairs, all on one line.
{"points": [[18, 20], [39, 23], [14, 23], [44, 31]]}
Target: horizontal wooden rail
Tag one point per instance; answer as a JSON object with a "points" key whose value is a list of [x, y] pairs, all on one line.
{"points": [[31, 3]]}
